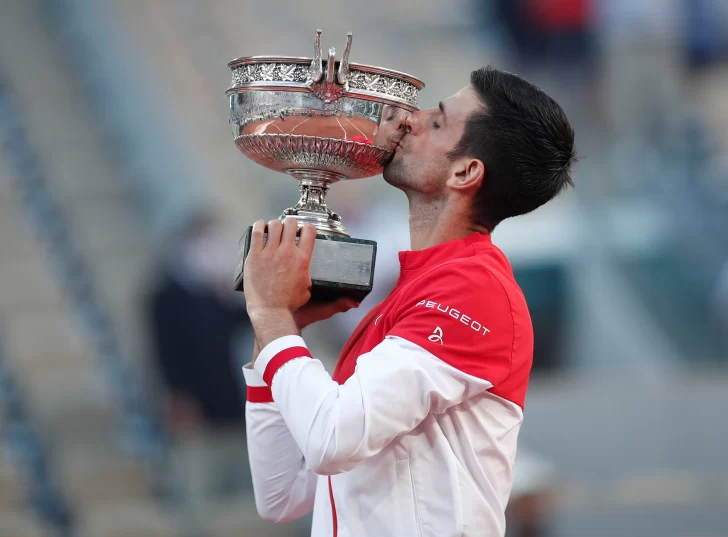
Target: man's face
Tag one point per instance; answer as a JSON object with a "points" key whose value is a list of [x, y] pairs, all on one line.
{"points": [[420, 161]]}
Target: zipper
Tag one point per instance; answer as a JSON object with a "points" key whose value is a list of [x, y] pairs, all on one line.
{"points": [[333, 509]]}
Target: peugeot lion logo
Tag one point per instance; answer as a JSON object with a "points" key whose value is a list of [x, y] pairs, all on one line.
{"points": [[436, 336]]}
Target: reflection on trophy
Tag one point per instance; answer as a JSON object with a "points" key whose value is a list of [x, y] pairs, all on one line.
{"points": [[321, 121]]}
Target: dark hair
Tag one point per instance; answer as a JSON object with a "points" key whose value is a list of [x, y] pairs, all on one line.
{"points": [[525, 141]]}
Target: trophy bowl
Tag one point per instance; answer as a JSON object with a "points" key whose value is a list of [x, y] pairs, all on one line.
{"points": [[321, 120]]}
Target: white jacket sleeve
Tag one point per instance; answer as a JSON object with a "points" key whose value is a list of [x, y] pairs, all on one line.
{"points": [[283, 485], [394, 387]]}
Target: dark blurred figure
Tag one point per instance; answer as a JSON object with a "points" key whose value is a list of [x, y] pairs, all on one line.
{"points": [[200, 329], [196, 321]]}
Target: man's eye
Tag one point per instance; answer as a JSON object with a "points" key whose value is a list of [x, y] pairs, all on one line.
{"points": [[435, 124]]}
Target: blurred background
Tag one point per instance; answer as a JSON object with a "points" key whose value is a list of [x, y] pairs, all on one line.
{"points": [[122, 199]]}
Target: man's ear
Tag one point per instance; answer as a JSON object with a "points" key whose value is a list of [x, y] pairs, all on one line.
{"points": [[466, 174]]}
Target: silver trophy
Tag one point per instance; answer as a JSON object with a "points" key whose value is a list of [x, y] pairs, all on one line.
{"points": [[321, 120]]}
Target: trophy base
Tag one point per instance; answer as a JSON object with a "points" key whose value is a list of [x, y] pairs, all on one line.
{"points": [[340, 267]]}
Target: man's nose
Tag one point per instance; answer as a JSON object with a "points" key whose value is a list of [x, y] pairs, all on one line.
{"points": [[411, 123], [402, 121], [400, 126]]}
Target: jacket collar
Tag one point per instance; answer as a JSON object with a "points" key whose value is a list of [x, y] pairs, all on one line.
{"points": [[412, 261]]}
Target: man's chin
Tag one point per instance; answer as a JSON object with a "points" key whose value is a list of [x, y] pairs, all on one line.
{"points": [[388, 160], [393, 171]]}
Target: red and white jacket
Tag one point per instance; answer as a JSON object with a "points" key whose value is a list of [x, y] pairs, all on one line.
{"points": [[415, 435]]}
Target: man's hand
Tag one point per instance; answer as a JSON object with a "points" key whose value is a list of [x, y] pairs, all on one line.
{"points": [[314, 312], [277, 281], [277, 270]]}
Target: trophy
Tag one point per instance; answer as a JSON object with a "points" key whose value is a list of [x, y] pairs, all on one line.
{"points": [[321, 120]]}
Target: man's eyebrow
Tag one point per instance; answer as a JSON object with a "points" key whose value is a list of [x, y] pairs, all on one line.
{"points": [[442, 107]]}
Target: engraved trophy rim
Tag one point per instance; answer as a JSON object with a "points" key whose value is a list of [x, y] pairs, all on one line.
{"points": [[375, 69], [276, 84]]}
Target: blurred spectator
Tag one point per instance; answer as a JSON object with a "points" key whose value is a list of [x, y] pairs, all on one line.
{"points": [[705, 28], [641, 66], [198, 324], [558, 33], [565, 31], [531, 505]]}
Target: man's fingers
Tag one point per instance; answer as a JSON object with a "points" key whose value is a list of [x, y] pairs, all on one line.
{"points": [[314, 312], [275, 227], [340, 305], [345, 304], [257, 236], [290, 227], [308, 238]]}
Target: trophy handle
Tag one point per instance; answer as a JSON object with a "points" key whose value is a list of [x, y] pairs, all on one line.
{"points": [[316, 70], [329, 87], [344, 73], [330, 65]]}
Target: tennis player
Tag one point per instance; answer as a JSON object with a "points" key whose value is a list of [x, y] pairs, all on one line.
{"points": [[415, 434]]}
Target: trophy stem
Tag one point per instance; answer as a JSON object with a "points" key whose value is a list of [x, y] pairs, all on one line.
{"points": [[311, 207]]}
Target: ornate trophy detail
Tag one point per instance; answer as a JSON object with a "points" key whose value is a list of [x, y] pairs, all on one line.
{"points": [[321, 121]]}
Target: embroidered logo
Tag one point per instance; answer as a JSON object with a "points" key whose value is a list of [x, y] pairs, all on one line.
{"points": [[455, 314], [436, 336]]}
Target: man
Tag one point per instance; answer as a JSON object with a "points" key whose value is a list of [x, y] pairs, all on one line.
{"points": [[415, 435]]}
